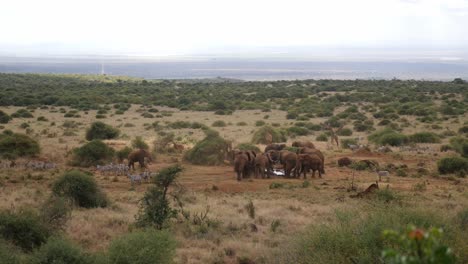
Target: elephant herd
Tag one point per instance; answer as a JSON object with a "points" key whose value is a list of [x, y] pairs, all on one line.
{"points": [[305, 158]]}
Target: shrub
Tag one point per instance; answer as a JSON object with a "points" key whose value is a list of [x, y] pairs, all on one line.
{"points": [[337, 242], [22, 113], [348, 141], [23, 229], [298, 131], [322, 137], [260, 136], [8, 254], [461, 130], [91, 154], [155, 209], [80, 188], [139, 143], [42, 119], [209, 151], [259, 123], [460, 145], [242, 123], [344, 132], [452, 165], [142, 247], [99, 130], [388, 137], [4, 117], [248, 146], [417, 246], [58, 250], [56, 211], [123, 153], [14, 145], [219, 123], [424, 137], [291, 115], [24, 125]]}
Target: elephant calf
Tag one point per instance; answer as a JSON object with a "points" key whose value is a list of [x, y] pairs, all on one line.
{"points": [[306, 162]]}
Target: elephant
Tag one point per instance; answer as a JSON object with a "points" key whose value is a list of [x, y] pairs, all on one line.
{"points": [[263, 162], [286, 158], [274, 147], [138, 156], [306, 162], [241, 165], [251, 155], [314, 151], [303, 144]]}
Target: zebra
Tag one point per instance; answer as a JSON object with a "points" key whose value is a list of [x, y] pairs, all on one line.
{"points": [[134, 178]]}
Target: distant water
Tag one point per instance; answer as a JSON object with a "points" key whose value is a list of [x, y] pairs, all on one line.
{"points": [[243, 69]]}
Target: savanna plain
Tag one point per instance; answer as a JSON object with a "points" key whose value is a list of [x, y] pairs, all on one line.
{"points": [[63, 197]]}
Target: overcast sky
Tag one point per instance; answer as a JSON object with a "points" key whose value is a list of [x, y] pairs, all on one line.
{"points": [[177, 27]]}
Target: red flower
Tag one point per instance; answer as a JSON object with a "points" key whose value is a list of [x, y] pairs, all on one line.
{"points": [[416, 234]]}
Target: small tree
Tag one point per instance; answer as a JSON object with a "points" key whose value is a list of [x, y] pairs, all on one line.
{"points": [[4, 117], [99, 130], [13, 145], [81, 188], [93, 153], [155, 209], [139, 143]]}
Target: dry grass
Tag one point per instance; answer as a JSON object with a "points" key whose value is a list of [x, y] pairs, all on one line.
{"points": [[232, 235]]}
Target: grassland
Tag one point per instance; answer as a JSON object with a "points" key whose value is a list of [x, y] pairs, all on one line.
{"points": [[282, 215]]}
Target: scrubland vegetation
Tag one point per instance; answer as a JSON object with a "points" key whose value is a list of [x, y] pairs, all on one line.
{"points": [[193, 210]]}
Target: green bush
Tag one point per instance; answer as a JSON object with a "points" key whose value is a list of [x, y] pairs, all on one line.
{"points": [[155, 209], [139, 143], [259, 136], [460, 145], [8, 254], [259, 123], [242, 123], [23, 229], [337, 241], [248, 146], [13, 145], [219, 123], [461, 130], [92, 153], [4, 117], [80, 188], [452, 165], [210, 151], [344, 132], [322, 137], [59, 251], [424, 137], [417, 246], [56, 211], [22, 113], [99, 130], [297, 131], [143, 247], [348, 141], [123, 153], [388, 137]]}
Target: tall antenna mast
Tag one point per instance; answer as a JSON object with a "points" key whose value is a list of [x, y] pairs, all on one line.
{"points": [[102, 69]]}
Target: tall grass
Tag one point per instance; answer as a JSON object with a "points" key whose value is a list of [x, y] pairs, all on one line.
{"points": [[354, 236]]}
